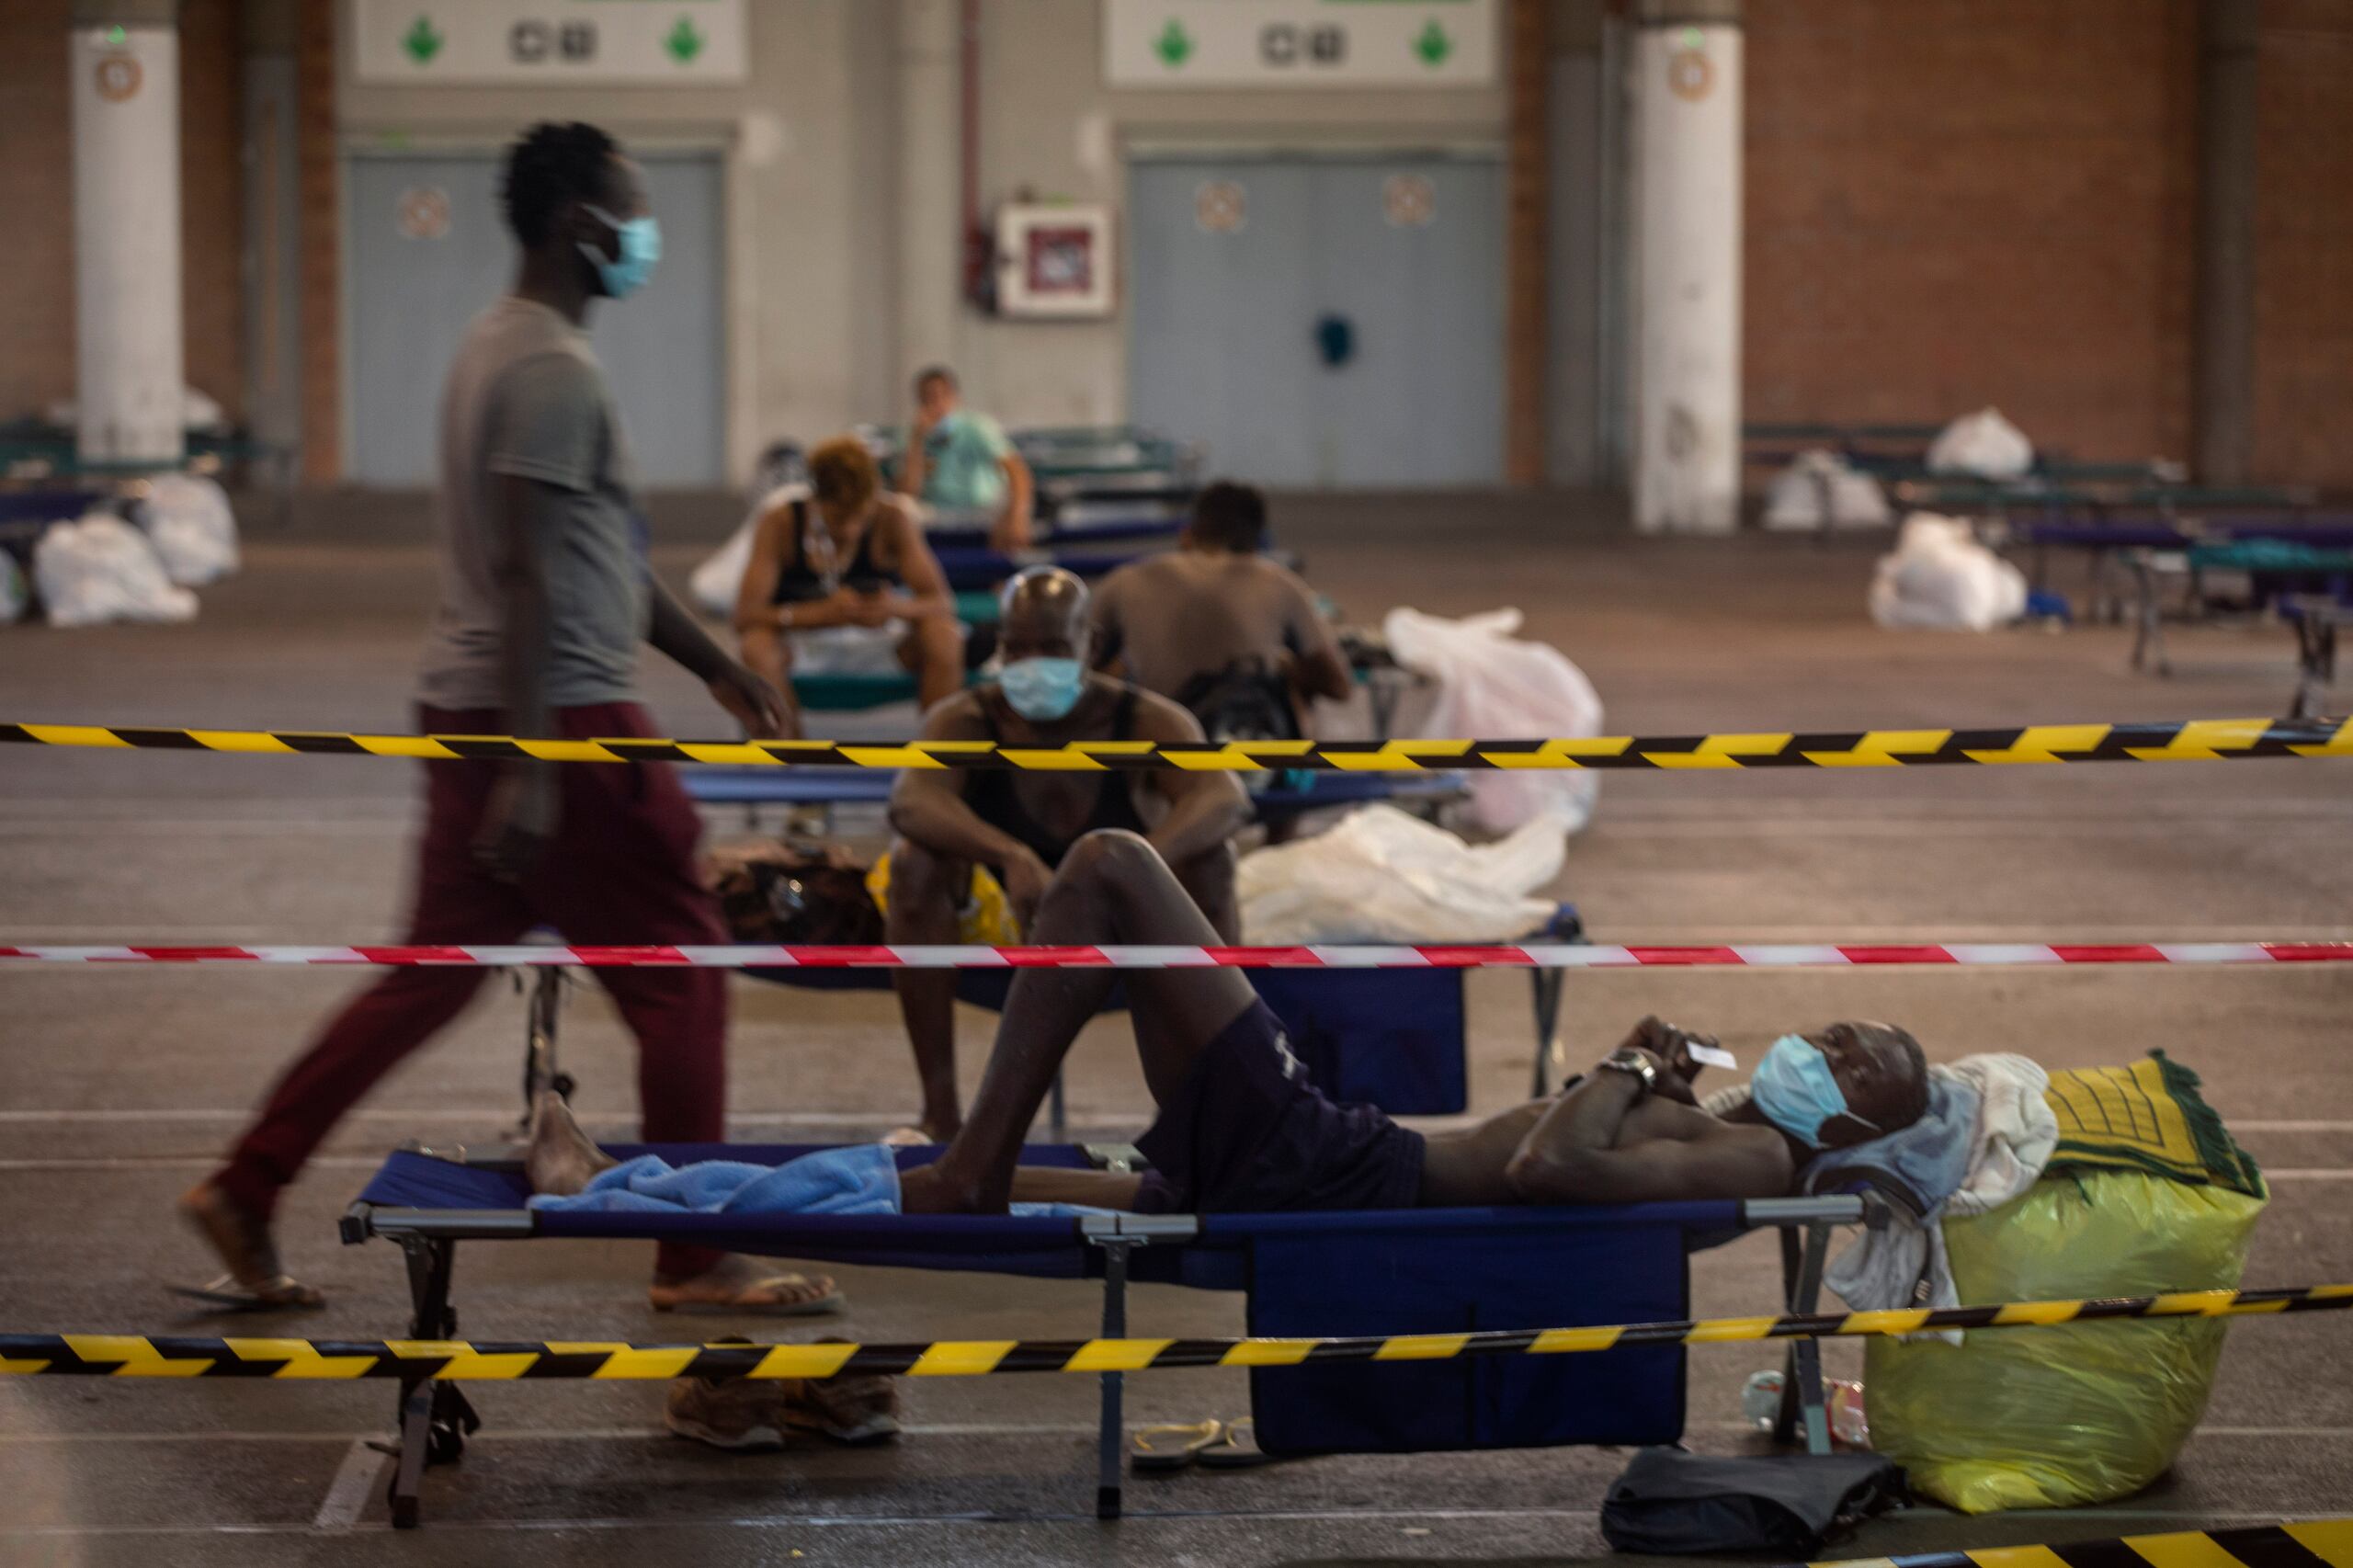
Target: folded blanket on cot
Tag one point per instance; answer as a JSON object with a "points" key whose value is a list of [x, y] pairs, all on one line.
{"points": [[862, 1178]]}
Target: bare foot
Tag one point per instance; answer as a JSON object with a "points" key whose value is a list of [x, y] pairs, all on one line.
{"points": [[242, 1238], [561, 1160], [746, 1285], [927, 1189]]}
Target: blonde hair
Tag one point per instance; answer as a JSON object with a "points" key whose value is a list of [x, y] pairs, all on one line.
{"points": [[841, 472]]}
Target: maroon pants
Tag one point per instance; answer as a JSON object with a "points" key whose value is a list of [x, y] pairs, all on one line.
{"points": [[621, 869]]}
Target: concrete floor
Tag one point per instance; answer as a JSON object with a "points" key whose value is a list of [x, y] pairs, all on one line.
{"points": [[121, 1086]]}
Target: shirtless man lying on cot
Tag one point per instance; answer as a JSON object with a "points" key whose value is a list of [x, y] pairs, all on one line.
{"points": [[1241, 1130]]}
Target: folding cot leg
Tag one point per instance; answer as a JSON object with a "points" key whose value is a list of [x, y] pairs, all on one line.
{"points": [[435, 1419], [1550, 985], [1108, 1459], [1057, 1111], [1801, 1397]]}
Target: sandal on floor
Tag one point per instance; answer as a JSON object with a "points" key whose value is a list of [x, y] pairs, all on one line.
{"points": [[1237, 1448], [1160, 1449], [777, 1296], [241, 1238], [279, 1292]]}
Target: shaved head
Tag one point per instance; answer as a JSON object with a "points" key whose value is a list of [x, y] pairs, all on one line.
{"points": [[1044, 615]]}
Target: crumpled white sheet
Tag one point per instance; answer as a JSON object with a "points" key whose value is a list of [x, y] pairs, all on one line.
{"points": [[1490, 684], [102, 569], [2017, 1133], [1381, 875]]}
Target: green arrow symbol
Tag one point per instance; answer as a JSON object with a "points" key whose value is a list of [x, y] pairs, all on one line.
{"points": [[1434, 46], [684, 42], [421, 42], [1174, 45]]}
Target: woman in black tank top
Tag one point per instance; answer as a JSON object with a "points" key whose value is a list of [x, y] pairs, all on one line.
{"points": [[844, 560]]}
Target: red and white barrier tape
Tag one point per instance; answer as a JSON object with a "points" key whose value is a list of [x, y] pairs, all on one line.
{"points": [[1554, 955]]}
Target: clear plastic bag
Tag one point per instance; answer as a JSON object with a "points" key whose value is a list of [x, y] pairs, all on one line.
{"points": [[1940, 579], [190, 524], [2055, 1418], [1492, 685], [1984, 444], [102, 569]]}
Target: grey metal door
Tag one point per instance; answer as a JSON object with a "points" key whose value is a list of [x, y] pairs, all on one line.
{"points": [[429, 250], [1321, 322]]}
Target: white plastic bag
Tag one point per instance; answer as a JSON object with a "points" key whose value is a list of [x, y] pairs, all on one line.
{"points": [[1493, 686], [1819, 480], [1984, 444], [1941, 578], [1383, 876], [102, 569], [194, 531], [718, 580]]}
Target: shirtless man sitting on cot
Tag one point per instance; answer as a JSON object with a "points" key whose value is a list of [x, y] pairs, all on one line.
{"points": [[1240, 1129]]}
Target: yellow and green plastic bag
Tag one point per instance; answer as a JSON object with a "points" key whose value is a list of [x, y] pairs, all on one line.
{"points": [[2055, 1418]]}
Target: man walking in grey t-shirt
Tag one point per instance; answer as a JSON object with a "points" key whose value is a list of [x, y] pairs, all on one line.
{"points": [[545, 593]]}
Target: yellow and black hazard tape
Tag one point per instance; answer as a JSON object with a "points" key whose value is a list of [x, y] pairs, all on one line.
{"points": [[140, 1356], [2194, 740], [2310, 1543]]}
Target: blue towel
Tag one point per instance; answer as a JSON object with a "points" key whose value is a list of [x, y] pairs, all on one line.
{"points": [[861, 1178], [1920, 1166]]}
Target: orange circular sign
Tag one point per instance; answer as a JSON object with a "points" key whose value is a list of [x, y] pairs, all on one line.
{"points": [[119, 77], [1221, 206], [1689, 74], [1409, 201], [424, 212]]}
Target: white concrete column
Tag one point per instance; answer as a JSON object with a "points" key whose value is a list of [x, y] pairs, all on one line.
{"points": [[126, 97], [930, 149], [1686, 270]]}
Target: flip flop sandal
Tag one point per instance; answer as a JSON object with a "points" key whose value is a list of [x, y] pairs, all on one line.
{"points": [[1236, 1448], [744, 1303], [279, 1292], [1158, 1450]]}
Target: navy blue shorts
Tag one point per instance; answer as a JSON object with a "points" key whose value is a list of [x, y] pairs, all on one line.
{"points": [[1249, 1134]]}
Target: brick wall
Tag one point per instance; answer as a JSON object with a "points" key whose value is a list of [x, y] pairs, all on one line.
{"points": [[1952, 203], [2303, 306], [213, 199], [37, 185]]}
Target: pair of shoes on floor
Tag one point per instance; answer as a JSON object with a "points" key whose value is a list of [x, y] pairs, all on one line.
{"points": [[1212, 1445], [755, 1415]]}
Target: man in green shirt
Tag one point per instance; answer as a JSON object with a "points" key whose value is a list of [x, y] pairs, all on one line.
{"points": [[961, 461]]}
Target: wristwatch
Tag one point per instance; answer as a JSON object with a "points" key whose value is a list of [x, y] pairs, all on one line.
{"points": [[1634, 1065]]}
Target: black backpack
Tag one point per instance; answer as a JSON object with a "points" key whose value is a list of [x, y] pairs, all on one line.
{"points": [[1670, 1502], [1245, 701]]}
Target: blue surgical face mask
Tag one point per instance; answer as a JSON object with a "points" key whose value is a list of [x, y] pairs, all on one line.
{"points": [[1795, 1089], [640, 247], [1043, 690]]}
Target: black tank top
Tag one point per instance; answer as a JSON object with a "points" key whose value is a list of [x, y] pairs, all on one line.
{"points": [[800, 583], [992, 798]]}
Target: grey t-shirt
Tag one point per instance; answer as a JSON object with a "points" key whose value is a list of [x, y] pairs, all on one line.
{"points": [[526, 397]]}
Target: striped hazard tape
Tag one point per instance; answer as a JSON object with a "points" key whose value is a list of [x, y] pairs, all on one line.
{"points": [[2306, 1544], [1532, 955], [139, 1356], [2195, 740]]}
